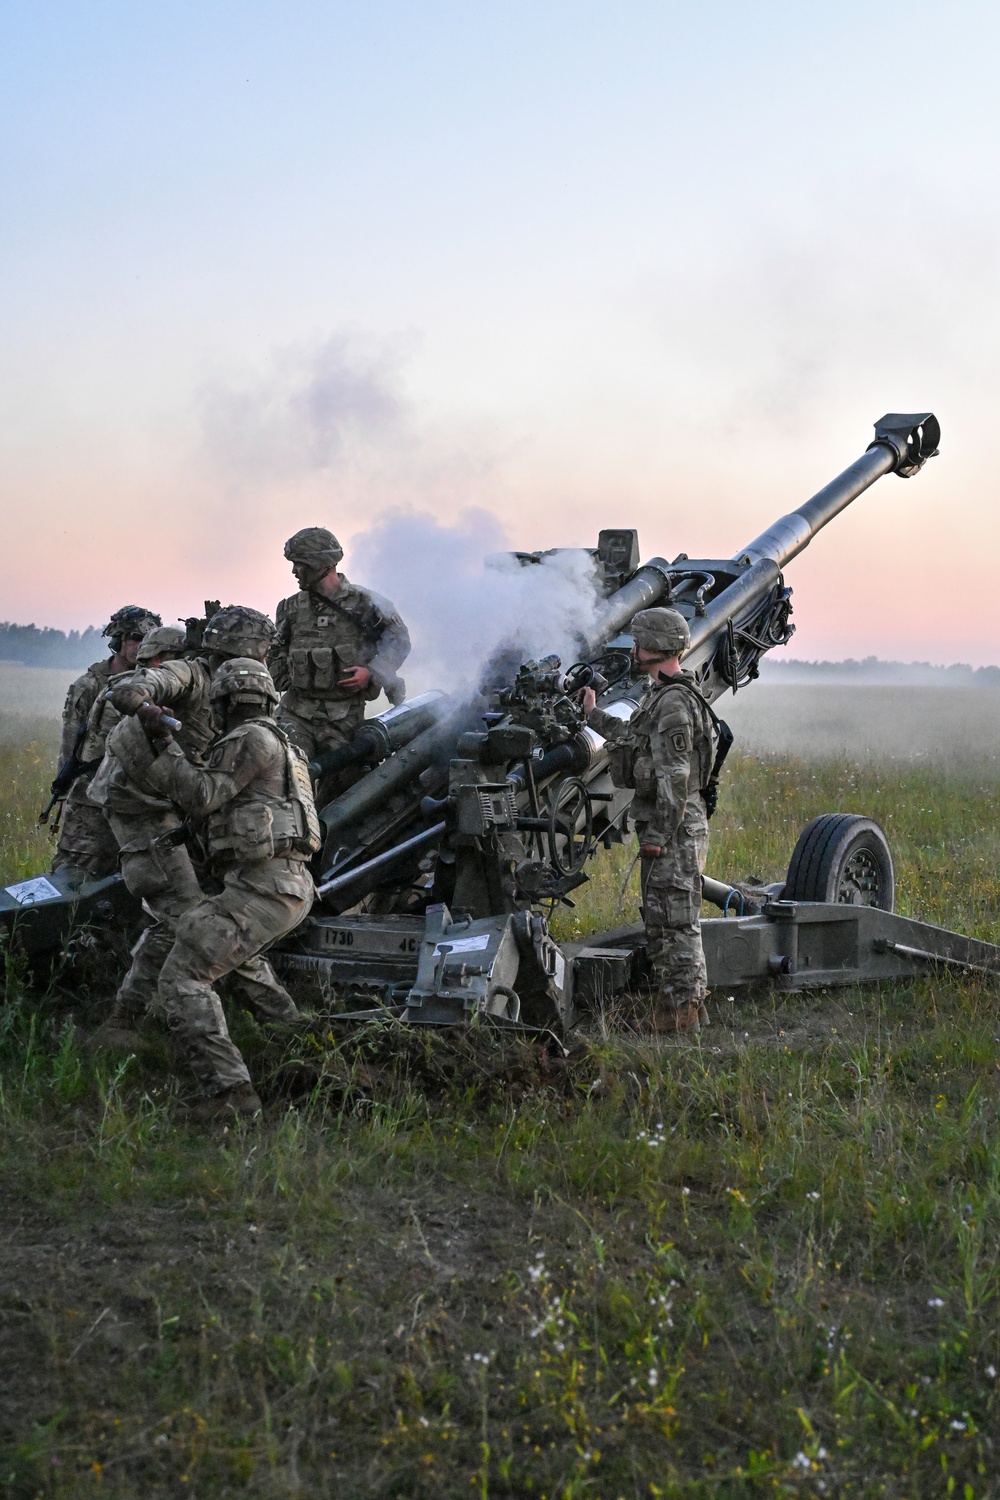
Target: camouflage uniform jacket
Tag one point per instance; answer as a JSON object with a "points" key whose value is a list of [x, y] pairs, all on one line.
{"points": [[252, 802], [669, 748], [184, 687], [102, 718], [80, 699], [181, 686], [319, 639]]}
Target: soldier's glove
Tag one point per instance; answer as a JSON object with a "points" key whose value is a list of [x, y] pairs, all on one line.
{"points": [[156, 725], [128, 696]]}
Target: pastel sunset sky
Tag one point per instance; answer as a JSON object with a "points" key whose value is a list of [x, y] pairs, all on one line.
{"points": [[528, 269]]}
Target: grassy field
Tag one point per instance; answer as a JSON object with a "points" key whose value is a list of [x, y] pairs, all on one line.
{"points": [[762, 1264]]}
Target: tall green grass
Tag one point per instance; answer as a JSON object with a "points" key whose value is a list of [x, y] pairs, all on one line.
{"points": [[28, 750], [764, 1263]]}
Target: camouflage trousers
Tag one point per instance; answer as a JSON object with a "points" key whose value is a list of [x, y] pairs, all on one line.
{"points": [[671, 896], [258, 904], [85, 840], [314, 736], [161, 874]]}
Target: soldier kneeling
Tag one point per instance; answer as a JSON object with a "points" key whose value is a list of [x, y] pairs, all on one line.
{"points": [[258, 822]]}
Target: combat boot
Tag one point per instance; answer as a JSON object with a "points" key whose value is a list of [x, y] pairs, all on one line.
{"points": [[240, 1103], [116, 1033]]}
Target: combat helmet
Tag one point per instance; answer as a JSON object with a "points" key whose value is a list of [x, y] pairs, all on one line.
{"points": [[662, 630], [242, 679], [162, 640], [316, 546], [129, 622], [239, 631]]}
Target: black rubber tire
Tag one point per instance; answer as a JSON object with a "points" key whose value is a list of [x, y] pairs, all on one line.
{"points": [[841, 857]]}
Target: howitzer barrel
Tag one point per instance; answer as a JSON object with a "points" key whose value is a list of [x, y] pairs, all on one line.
{"points": [[644, 589], [733, 603], [902, 445], [378, 785], [381, 736]]}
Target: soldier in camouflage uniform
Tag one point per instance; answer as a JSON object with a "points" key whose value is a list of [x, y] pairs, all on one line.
{"points": [[149, 829], [666, 752], [338, 646], [85, 841], [254, 805]]}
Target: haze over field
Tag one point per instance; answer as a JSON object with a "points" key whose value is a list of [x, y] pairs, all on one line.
{"points": [[567, 266], [946, 727]]}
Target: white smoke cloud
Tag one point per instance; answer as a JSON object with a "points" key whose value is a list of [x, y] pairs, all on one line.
{"points": [[313, 407], [460, 609]]}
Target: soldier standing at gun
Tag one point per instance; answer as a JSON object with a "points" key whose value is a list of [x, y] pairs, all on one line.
{"points": [[667, 753], [338, 647], [254, 805], [149, 830], [85, 841]]}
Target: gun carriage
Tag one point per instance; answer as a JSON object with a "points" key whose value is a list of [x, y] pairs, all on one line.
{"points": [[463, 823]]}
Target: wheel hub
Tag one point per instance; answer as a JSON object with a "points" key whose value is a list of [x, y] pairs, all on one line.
{"points": [[860, 882]]}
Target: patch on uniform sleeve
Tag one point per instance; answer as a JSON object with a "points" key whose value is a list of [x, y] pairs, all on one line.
{"points": [[679, 739]]}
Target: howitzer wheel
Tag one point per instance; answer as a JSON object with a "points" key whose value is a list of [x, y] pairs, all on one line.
{"points": [[571, 827], [842, 858]]}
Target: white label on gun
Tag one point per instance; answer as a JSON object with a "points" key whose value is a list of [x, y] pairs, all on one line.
{"points": [[27, 892], [465, 944]]}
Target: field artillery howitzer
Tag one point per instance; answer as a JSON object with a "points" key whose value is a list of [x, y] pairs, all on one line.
{"points": [[441, 861], [468, 820]]}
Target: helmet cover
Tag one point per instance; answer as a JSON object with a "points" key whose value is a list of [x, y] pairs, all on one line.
{"points": [[662, 630], [131, 621], [242, 679], [316, 546], [160, 640], [239, 631]]}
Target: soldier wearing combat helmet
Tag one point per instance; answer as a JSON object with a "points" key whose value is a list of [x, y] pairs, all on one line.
{"points": [[156, 864], [253, 806], [338, 647], [84, 839], [666, 752]]}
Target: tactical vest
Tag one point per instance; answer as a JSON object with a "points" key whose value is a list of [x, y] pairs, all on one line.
{"points": [[630, 758], [274, 816], [101, 720], [329, 636]]}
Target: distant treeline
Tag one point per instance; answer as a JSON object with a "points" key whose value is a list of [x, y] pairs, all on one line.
{"points": [[34, 647], [43, 647], [886, 673]]}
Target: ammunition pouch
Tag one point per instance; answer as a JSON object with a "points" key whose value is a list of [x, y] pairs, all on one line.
{"points": [[315, 669], [621, 763], [240, 833]]}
